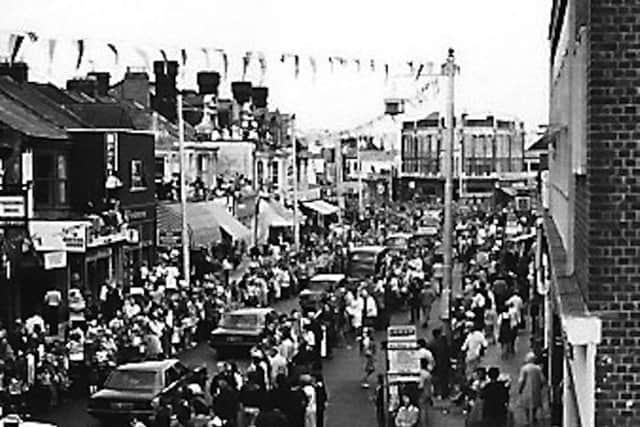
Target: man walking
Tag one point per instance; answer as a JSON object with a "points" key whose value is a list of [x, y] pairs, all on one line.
{"points": [[427, 298]]}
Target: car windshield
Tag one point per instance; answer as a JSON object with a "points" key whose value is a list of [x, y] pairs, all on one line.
{"points": [[363, 256], [396, 241], [240, 321], [133, 380]]}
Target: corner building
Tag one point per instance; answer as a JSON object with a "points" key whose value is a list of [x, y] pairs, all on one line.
{"points": [[588, 263]]}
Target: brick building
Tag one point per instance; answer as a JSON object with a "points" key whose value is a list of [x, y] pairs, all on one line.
{"points": [[589, 247], [487, 150]]}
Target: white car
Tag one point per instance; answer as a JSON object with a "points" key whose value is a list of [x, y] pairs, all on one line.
{"points": [[13, 420]]}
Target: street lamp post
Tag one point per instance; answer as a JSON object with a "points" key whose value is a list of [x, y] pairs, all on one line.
{"points": [[449, 70], [296, 225], [186, 261]]}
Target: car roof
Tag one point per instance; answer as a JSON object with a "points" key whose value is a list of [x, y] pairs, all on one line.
{"points": [[328, 277], [149, 366], [370, 249], [401, 235], [252, 310]]}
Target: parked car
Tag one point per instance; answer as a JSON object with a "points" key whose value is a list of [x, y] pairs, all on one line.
{"points": [[240, 329], [327, 281], [139, 388]]}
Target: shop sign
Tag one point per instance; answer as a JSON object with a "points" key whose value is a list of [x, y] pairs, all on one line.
{"points": [[169, 239], [69, 236], [136, 215], [96, 240], [403, 357], [53, 260], [13, 210], [402, 333]]}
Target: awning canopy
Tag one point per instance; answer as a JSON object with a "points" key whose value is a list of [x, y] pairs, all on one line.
{"points": [[204, 230], [274, 214], [229, 223], [322, 207]]}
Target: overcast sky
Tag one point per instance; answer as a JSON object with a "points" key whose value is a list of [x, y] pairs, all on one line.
{"points": [[501, 46]]}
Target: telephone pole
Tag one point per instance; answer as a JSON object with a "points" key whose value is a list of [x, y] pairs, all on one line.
{"points": [[449, 70], [296, 225]]}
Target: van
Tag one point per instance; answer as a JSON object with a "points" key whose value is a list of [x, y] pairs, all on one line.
{"points": [[365, 262]]}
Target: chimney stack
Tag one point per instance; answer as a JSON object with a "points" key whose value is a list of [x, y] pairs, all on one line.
{"points": [[102, 82], [241, 92], [86, 86], [208, 82], [259, 96], [165, 99], [135, 87], [18, 71]]}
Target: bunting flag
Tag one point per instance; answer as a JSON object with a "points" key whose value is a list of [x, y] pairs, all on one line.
{"points": [[52, 51], [246, 60], [373, 65], [33, 37], [183, 56], [225, 64], [164, 55], [80, 53], [386, 72], [283, 57], [314, 66], [357, 61], [420, 68], [145, 57], [263, 67], [12, 42], [205, 52], [296, 64], [17, 44], [410, 63], [331, 63], [114, 50]]}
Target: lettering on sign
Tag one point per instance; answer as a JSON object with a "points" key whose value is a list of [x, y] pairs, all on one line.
{"points": [[136, 215]]}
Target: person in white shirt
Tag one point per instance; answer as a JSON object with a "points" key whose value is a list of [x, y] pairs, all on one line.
{"points": [[278, 364], [474, 346], [516, 305], [310, 418], [52, 301]]}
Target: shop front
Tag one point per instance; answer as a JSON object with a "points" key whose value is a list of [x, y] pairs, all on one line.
{"points": [[568, 333], [93, 256]]}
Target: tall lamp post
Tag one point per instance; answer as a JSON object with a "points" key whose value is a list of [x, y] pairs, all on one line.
{"points": [[296, 225], [449, 70], [186, 256]]}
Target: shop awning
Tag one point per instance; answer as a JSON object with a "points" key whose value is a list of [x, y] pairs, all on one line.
{"points": [[274, 214], [322, 207], [204, 230], [229, 223]]}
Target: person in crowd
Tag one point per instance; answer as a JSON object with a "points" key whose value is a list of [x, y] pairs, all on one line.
{"points": [[530, 386], [408, 414], [427, 298], [368, 354], [311, 415], [424, 353], [495, 398], [442, 355], [507, 334], [474, 348], [425, 392]]}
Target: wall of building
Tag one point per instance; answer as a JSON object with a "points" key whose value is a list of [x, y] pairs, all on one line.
{"points": [[613, 162]]}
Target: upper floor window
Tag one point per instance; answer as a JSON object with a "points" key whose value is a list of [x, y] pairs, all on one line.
{"points": [[137, 174], [50, 180]]}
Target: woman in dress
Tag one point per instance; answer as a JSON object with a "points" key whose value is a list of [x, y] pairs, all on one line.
{"points": [[530, 387]]}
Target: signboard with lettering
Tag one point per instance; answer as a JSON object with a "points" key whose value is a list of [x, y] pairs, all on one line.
{"points": [[13, 209], [402, 333], [402, 357], [169, 239], [69, 236], [57, 259]]}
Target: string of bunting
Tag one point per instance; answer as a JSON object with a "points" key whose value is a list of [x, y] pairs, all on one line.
{"points": [[17, 40]]}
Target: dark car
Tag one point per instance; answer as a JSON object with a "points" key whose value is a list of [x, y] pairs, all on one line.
{"points": [[240, 329], [139, 388], [365, 262], [398, 242]]}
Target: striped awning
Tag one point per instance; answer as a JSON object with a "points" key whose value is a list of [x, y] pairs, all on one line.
{"points": [[204, 230]]}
